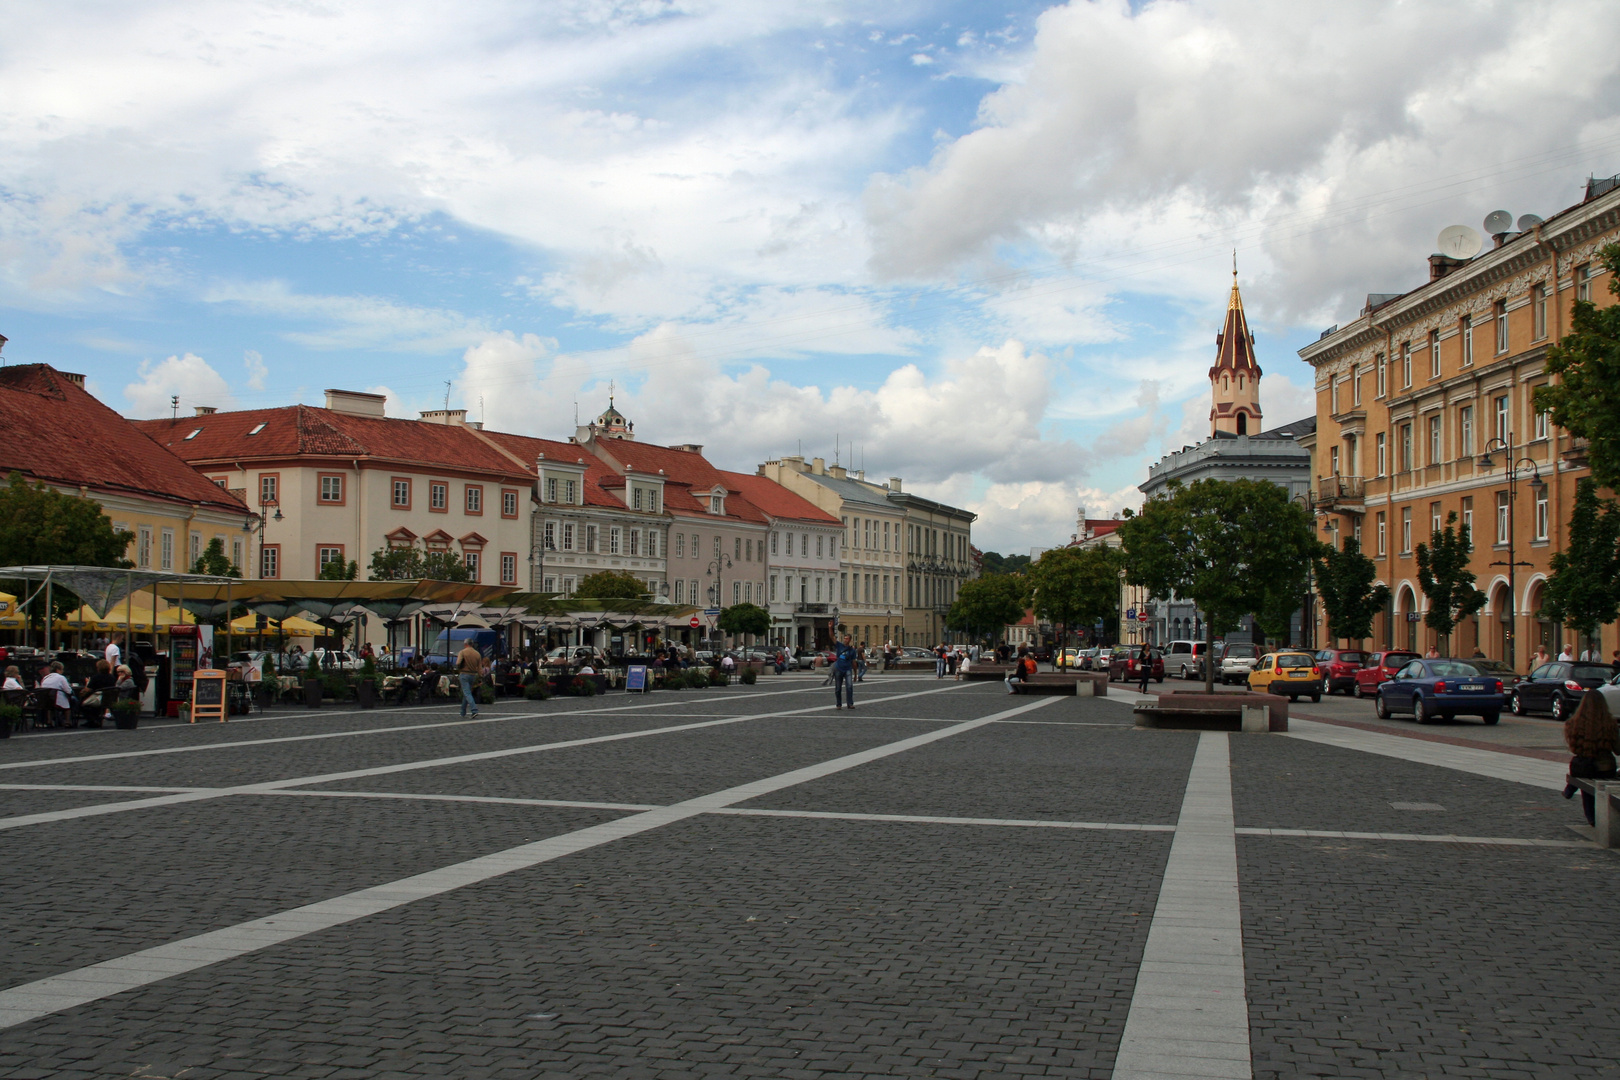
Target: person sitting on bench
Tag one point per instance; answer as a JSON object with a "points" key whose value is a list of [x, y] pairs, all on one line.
{"points": [[1590, 735]]}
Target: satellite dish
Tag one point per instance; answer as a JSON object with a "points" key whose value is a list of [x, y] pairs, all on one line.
{"points": [[1460, 242], [1498, 221], [1528, 222]]}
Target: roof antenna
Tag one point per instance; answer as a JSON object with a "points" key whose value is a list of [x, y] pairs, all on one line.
{"points": [[576, 412], [447, 400], [838, 444], [174, 408], [480, 408]]}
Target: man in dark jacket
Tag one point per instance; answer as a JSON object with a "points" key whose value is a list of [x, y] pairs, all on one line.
{"points": [[843, 673]]}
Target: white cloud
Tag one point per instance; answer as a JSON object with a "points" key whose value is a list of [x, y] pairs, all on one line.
{"points": [[353, 322], [256, 369], [1017, 517], [188, 377]]}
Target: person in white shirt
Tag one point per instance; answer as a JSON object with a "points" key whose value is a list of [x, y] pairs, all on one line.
{"points": [[55, 680], [13, 679], [1564, 655], [113, 654]]}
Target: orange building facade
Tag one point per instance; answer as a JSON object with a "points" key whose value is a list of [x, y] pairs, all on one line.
{"points": [[1424, 409]]}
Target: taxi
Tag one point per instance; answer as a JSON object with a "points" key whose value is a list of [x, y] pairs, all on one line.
{"points": [[1292, 674]]}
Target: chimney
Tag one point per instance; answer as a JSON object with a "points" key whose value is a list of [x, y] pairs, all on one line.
{"points": [[818, 466], [894, 484], [71, 376], [690, 448], [447, 417], [838, 471], [355, 402], [1441, 265], [206, 410], [860, 474]]}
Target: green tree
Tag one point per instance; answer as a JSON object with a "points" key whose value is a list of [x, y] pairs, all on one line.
{"points": [[1074, 586], [1232, 547], [1445, 579], [41, 526], [213, 561], [986, 604], [992, 562], [1345, 580], [745, 619], [613, 585], [412, 564], [445, 566], [338, 570], [1584, 590], [1585, 399]]}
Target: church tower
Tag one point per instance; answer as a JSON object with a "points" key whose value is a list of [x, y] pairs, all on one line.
{"points": [[1235, 379]]}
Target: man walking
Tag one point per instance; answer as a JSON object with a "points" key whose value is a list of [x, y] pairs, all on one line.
{"points": [[843, 673], [469, 662]]}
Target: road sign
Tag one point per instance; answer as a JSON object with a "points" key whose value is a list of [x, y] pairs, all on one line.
{"points": [[711, 611], [1130, 613], [694, 622], [1144, 617]]}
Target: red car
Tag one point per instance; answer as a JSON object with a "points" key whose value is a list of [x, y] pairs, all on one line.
{"points": [[1339, 667], [1125, 666], [1379, 668]]}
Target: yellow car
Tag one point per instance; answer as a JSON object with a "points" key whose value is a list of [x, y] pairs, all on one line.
{"points": [[1069, 658], [1291, 674]]}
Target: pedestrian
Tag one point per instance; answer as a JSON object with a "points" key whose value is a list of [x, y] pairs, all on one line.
{"points": [[469, 662], [1565, 655], [98, 693], [939, 661], [1540, 657], [1590, 735], [112, 653], [860, 664], [1144, 661], [1018, 672], [843, 673], [963, 664], [1432, 654]]}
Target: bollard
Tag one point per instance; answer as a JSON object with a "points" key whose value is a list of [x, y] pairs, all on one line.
{"points": [[1256, 718]]}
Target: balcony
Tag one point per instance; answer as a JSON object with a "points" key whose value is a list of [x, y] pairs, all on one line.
{"points": [[1341, 494]]}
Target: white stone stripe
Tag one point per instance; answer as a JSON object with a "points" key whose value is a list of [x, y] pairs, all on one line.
{"points": [[1493, 763], [1189, 1013], [499, 800], [94, 787], [80, 758], [58, 992], [99, 809], [927, 819], [1422, 838]]}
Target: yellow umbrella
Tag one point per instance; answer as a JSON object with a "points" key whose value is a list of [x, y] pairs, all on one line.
{"points": [[8, 605], [293, 626]]}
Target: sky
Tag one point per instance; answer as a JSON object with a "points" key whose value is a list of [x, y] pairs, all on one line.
{"points": [[983, 248]]}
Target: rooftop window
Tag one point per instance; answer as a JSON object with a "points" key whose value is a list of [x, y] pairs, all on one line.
{"points": [[256, 429], [195, 432]]}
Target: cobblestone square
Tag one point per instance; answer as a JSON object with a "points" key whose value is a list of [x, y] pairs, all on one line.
{"points": [[946, 882]]}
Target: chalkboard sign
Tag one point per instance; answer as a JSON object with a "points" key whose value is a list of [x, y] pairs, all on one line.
{"points": [[208, 695], [636, 679]]}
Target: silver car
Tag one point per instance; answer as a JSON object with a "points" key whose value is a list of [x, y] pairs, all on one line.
{"points": [[1237, 660]]}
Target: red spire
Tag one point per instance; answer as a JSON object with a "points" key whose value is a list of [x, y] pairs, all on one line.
{"points": [[1234, 345]]}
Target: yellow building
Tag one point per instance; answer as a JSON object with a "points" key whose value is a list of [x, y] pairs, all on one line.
{"points": [[1424, 409]]}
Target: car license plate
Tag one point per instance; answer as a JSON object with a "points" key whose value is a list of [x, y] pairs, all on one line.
{"points": [[1471, 686]]}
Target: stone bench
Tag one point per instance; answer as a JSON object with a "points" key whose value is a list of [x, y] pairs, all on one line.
{"points": [[1606, 796], [1192, 710], [1076, 683]]}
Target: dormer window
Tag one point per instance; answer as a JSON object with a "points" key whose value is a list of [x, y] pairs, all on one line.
{"points": [[717, 504], [256, 429]]}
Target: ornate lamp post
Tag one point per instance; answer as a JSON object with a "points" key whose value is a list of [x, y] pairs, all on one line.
{"points": [[716, 570], [1511, 469]]}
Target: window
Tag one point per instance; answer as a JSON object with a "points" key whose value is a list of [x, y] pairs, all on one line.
{"points": [[590, 539], [615, 538], [1465, 431], [1434, 518], [773, 588], [885, 536], [1333, 458], [568, 536], [551, 489], [843, 588], [1383, 528], [804, 545], [571, 492], [652, 544], [270, 561], [1583, 282], [748, 592], [635, 542], [748, 550], [680, 545], [236, 551], [1499, 312], [1503, 517], [1406, 363], [269, 487], [475, 499], [1436, 452], [143, 548], [1502, 417], [196, 549], [680, 590], [1468, 515], [1541, 424], [1538, 311], [1406, 530], [166, 550], [1383, 374], [819, 539], [508, 568], [509, 503], [331, 489], [692, 594], [1381, 453], [635, 498], [653, 498], [471, 559], [1434, 354], [717, 550], [548, 535], [439, 497], [736, 592], [736, 547], [402, 493], [1466, 329], [1406, 448], [549, 585], [716, 506], [327, 554], [1541, 514]]}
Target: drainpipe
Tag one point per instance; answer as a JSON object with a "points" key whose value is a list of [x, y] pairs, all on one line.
{"points": [[1557, 335]]}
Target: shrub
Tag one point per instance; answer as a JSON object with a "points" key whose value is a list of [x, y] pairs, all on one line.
{"points": [[486, 694], [335, 686], [126, 714], [673, 680], [719, 678], [10, 717], [748, 677], [586, 685], [537, 691]]}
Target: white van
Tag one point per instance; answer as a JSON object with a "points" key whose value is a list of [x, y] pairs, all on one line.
{"points": [[1185, 658]]}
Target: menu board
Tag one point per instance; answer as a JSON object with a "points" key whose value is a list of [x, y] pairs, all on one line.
{"points": [[208, 696], [636, 679]]}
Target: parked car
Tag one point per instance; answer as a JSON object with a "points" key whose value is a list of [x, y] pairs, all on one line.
{"points": [[1440, 689], [1379, 668], [1498, 669], [341, 660], [1093, 659], [574, 656], [1237, 660], [1611, 694], [1558, 687], [1186, 658], [1125, 666], [1069, 658], [805, 659], [1339, 667], [1290, 673]]}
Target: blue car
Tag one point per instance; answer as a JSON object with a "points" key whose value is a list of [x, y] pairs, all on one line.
{"points": [[1441, 688]]}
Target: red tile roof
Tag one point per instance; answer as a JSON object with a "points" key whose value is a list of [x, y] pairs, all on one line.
{"points": [[684, 472], [776, 500], [307, 431], [52, 429], [598, 477]]}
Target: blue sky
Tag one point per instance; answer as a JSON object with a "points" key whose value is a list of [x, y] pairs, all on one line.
{"points": [[986, 247]]}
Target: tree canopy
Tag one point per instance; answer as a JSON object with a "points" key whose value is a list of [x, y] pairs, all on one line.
{"points": [[1074, 586], [1445, 578], [1584, 590], [993, 562], [745, 619], [338, 570], [40, 525], [986, 604], [413, 564], [612, 585], [1345, 579], [1585, 397], [1232, 547], [213, 561]]}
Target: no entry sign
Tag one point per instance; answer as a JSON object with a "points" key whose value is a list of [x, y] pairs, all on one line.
{"points": [[694, 622]]}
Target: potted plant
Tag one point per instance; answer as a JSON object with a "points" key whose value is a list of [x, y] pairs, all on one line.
{"points": [[312, 691], [749, 676], [367, 689], [127, 714], [336, 686], [183, 712], [536, 691], [10, 717], [486, 694]]}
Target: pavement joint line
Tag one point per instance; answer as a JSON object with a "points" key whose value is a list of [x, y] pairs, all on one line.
{"points": [[927, 819], [94, 982], [372, 731], [1534, 772], [50, 816], [1428, 838], [1194, 1028], [94, 787], [498, 800]]}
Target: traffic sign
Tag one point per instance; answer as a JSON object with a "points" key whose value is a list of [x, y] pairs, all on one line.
{"points": [[694, 622], [1144, 617], [1130, 613], [711, 611]]}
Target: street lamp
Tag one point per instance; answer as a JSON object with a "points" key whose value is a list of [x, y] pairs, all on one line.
{"points": [[247, 526], [717, 566], [1307, 623], [1511, 468]]}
